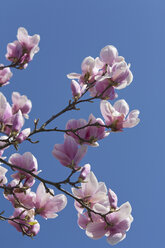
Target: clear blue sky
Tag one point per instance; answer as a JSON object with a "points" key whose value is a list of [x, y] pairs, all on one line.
{"points": [[132, 163]]}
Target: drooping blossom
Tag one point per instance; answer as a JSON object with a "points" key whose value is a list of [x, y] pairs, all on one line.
{"points": [[114, 228], [117, 116], [48, 205], [26, 161], [25, 222], [21, 103], [91, 192], [3, 179], [69, 154], [5, 75], [23, 50], [90, 134]]}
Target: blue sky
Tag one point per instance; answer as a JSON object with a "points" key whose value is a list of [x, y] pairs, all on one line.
{"points": [[132, 162]]}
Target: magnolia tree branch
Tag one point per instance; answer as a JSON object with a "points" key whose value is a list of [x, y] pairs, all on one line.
{"points": [[98, 211], [71, 106], [57, 185]]}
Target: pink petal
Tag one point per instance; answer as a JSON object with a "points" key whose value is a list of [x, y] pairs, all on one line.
{"points": [[96, 230]]}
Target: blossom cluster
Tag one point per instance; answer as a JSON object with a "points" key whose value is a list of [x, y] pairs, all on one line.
{"points": [[113, 222], [98, 211], [27, 204], [12, 118], [107, 71]]}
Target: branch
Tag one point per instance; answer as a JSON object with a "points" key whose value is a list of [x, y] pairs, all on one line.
{"points": [[57, 185]]}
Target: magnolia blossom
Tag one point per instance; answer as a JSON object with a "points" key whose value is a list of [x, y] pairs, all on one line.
{"points": [[119, 223], [89, 68], [102, 75], [69, 154], [48, 205], [26, 161], [29, 225], [121, 74], [21, 103], [23, 50], [103, 88], [3, 179], [5, 75], [116, 116], [90, 134], [10, 123], [91, 192]]}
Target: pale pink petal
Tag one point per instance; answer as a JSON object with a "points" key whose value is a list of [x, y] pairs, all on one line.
{"points": [[115, 238], [90, 187], [108, 54], [124, 211], [73, 75], [99, 208], [96, 230], [112, 199], [121, 106], [82, 221]]}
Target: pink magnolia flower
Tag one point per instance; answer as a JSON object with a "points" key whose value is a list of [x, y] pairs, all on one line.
{"points": [[92, 192], [69, 154], [89, 68], [47, 205], [26, 161], [30, 226], [103, 88], [14, 51], [116, 116], [5, 75], [119, 223], [90, 134], [21, 103], [23, 50], [3, 179], [121, 74]]}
